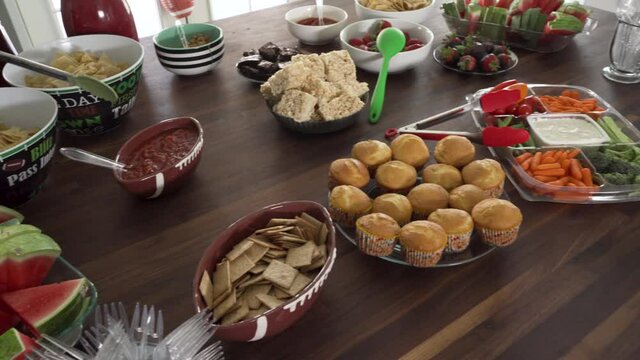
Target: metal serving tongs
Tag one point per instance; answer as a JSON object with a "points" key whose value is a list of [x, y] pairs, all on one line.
{"points": [[499, 97]]}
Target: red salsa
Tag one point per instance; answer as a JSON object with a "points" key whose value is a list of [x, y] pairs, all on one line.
{"points": [[161, 152], [314, 21]]}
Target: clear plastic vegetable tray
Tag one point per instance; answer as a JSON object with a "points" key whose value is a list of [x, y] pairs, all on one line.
{"points": [[604, 189]]}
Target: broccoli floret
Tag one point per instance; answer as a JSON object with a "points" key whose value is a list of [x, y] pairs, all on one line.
{"points": [[625, 153], [617, 165], [598, 159], [618, 178]]}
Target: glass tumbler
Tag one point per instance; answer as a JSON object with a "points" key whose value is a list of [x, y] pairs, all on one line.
{"points": [[624, 53]]}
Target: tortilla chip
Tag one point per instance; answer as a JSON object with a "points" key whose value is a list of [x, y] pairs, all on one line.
{"points": [[221, 279], [256, 252], [251, 292], [258, 269], [255, 313], [299, 283], [279, 294], [322, 235], [254, 280], [280, 274], [280, 222], [225, 306]]}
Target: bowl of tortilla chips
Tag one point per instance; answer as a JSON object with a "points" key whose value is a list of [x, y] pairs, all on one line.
{"points": [[265, 271], [416, 11]]}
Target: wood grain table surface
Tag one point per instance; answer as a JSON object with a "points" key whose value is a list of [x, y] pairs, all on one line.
{"points": [[569, 287]]}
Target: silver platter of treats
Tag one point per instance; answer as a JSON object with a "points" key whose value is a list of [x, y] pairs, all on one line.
{"points": [[390, 203]]}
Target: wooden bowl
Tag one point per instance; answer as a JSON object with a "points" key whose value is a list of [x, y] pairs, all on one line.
{"points": [[280, 318]]}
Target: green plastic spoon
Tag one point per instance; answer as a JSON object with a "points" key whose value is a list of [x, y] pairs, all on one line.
{"points": [[390, 42]]}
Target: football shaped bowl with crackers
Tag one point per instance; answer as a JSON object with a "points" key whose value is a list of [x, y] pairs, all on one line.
{"points": [[266, 270]]}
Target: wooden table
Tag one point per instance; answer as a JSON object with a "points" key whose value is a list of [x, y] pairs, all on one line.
{"points": [[570, 286]]}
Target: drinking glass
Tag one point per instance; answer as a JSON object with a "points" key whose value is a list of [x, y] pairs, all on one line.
{"points": [[624, 53]]}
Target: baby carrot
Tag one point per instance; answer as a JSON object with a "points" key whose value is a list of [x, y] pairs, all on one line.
{"points": [[548, 153], [565, 164], [573, 153], [574, 168], [557, 156], [577, 182], [548, 166], [560, 182], [521, 158], [545, 179], [527, 163], [587, 179], [550, 172], [548, 160], [536, 160]]}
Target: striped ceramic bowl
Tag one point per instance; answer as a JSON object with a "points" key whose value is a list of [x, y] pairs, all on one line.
{"points": [[193, 60]]}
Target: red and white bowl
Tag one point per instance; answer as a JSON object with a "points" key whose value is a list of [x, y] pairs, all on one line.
{"points": [[282, 317], [152, 186]]}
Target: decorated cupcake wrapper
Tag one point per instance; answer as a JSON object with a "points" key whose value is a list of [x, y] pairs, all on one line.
{"points": [[457, 242], [499, 238], [421, 258], [496, 191], [374, 245], [344, 218]]}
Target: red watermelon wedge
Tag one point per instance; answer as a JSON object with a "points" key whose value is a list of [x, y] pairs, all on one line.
{"points": [[7, 318], [9, 216], [48, 309], [26, 256], [14, 345]]}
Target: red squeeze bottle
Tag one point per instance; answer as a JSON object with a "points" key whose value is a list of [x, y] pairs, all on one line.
{"points": [[81, 17], [178, 8]]}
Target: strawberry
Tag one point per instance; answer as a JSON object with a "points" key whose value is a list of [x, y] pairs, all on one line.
{"points": [[356, 42], [413, 47], [490, 63], [450, 56], [385, 24], [467, 63], [414, 42], [505, 60], [500, 49]]}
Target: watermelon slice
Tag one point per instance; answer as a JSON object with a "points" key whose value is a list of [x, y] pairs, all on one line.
{"points": [[49, 309], [9, 216], [14, 345], [26, 256], [7, 318]]}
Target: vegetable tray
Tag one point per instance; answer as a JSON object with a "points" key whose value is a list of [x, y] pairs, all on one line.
{"points": [[594, 173]]}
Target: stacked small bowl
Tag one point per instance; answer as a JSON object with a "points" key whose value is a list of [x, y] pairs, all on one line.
{"points": [[190, 60]]}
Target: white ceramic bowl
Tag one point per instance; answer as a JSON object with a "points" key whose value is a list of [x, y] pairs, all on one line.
{"points": [[371, 61], [419, 16], [315, 35], [80, 113], [193, 60]]}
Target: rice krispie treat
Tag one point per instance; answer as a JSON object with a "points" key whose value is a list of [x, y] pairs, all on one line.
{"points": [[338, 66], [313, 63], [293, 76], [297, 105], [353, 88], [340, 107]]}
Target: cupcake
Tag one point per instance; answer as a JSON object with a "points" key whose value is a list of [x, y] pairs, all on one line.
{"points": [[497, 221], [455, 150], [447, 176], [465, 197], [347, 203], [458, 225], [372, 153], [427, 198], [396, 176], [487, 174], [348, 172], [377, 234], [411, 150], [422, 243], [395, 205]]}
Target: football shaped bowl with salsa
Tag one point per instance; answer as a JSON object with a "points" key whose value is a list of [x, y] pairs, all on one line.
{"points": [[159, 158]]}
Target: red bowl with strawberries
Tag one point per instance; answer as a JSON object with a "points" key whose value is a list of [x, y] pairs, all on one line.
{"points": [[359, 40]]}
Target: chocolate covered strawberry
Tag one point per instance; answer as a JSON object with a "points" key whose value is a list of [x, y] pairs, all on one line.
{"points": [[450, 56], [505, 60], [490, 63], [467, 63]]}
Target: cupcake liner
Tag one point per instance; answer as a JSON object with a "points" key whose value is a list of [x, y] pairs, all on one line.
{"points": [[457, 242], [421, 258], [499, 238], [343, 218], [496, 191], [374, 245]]}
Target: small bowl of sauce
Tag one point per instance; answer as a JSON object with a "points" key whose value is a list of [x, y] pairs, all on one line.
{"points": [[304, 24], [161, 157]]}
